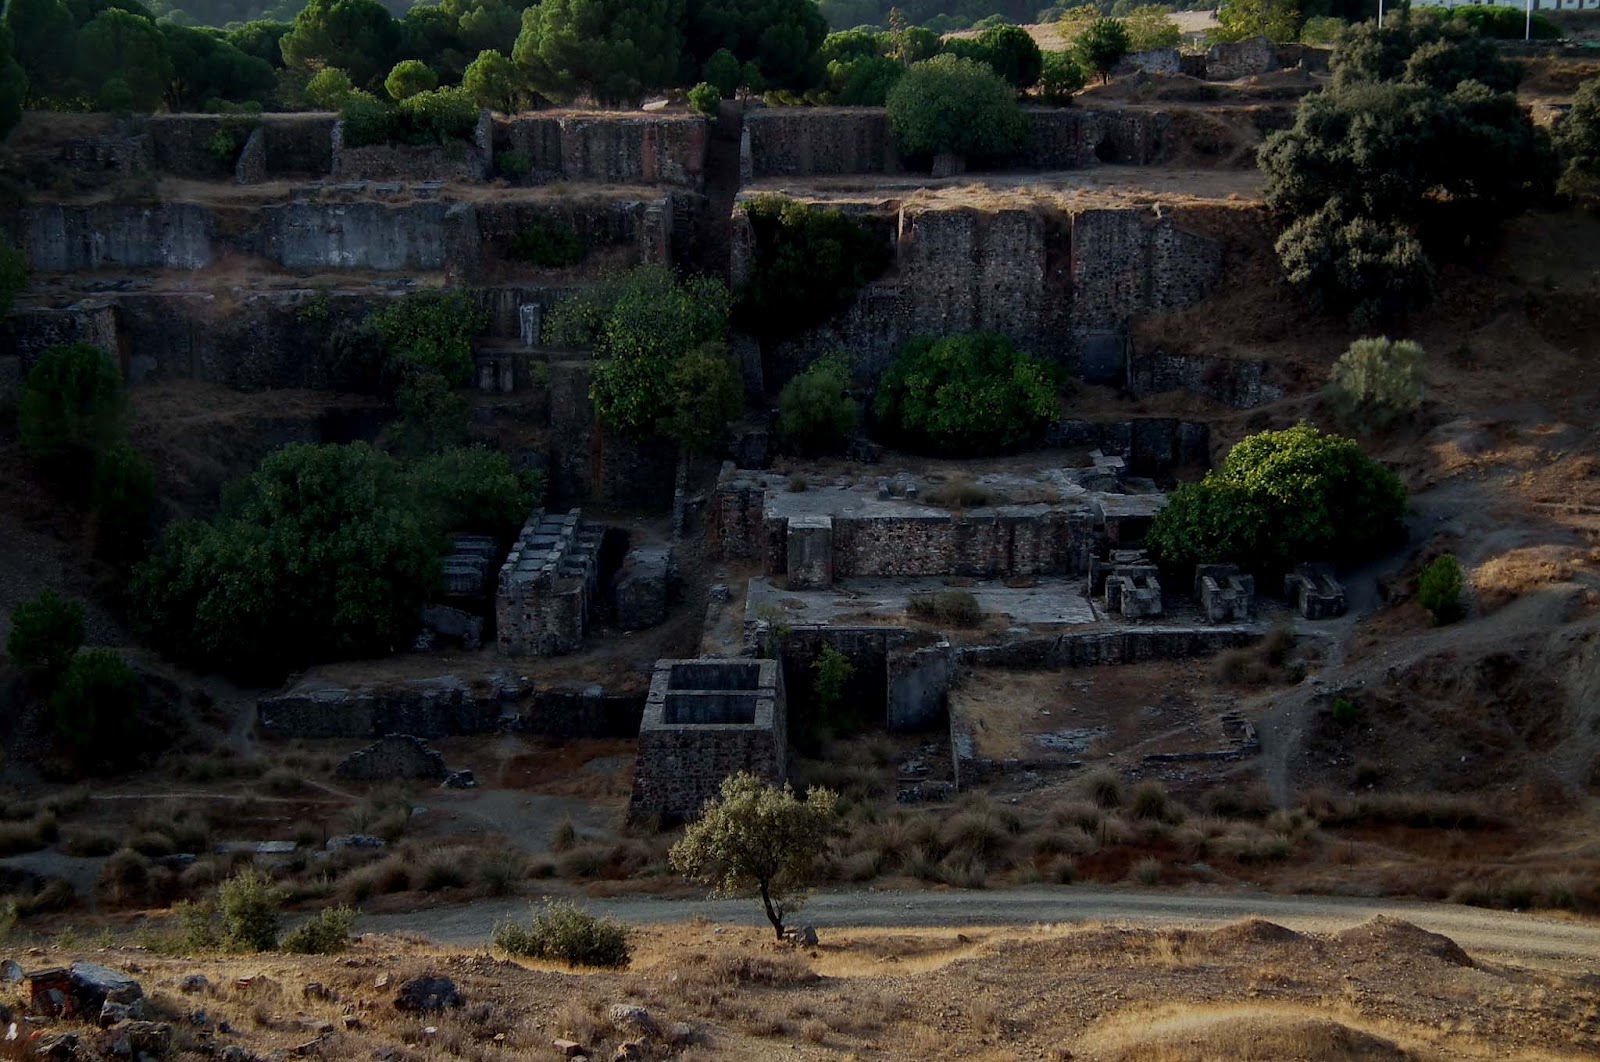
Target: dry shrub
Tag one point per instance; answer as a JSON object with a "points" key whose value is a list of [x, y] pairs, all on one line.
{"points": [[1152, 803], [1501, 580], [1524, 891], [388, 875], [1080, 813], [958, 492], [35, 833], [1417, 810], [953, 608], [1103, 786], [1240, 1034], [90, 842], [1252, 801], [765, 971], [1147, 871]]}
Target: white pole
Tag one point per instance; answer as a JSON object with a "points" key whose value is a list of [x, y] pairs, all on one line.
{"points": [[1380, 14], [1527, 33]]}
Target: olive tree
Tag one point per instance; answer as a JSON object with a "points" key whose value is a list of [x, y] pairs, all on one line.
{"points": [[758, 838]]}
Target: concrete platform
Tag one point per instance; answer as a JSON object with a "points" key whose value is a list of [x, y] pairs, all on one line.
{"points": [[1050, 602]]}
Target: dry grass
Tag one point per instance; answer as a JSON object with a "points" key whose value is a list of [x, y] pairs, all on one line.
{"points": [[1245, 1034]]}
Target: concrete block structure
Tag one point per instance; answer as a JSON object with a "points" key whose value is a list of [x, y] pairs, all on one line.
{"points": [[703, 721], [1134, 596], [1224, 594], [644, 586], [467, 565], [1314, 591], [810, 552], [547, 586]]}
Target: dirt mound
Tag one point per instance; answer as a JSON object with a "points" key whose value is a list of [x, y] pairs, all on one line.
{"points": [[1383, 935], [1242, 1035], [1253, 931]]}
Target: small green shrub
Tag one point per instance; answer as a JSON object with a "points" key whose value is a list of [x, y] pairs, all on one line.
{"points": [[367, 119], [548, 245], [124, 501], [1061, 77], [956, 608], [563, 932], [431, 331], [71, 409], [1345, 711], [704, 99], [949, 105], [96, 706], [1378, 382], [798, 484], [958, 493], [514, 164], [816, 412], [438, 116], [249, 906], [477, 490], [968, 394], [329, 89], [408, 78], [326, 934], [45, 633], [833, 671], [1439, 589]]}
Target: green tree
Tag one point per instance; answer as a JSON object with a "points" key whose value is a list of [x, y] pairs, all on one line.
{"points": [[1277, 20], [1439, 589], [493, 81], [971, 393], [473, 489], [722, 72], [816, 412], [431, 331], [758, 839], [1374, 271], [1280, 498], [704, 99], [250, 904], [1060, 77], [863, 81], [1421, 50], [1378, 382], [640, 324], [134, 49], [487, 25], [949, 105], [613, 51], [43, 34], [13, 93], [319, 555], [1578, 141], [71, 409], [206, 68], [45, 633], [431, 32], [704, 392], [357, 36], [1101, 46], [408, 78], [124, 502], [780, 37], [261, 39], [1150, 27], [807, 264], [329, 89], [96, 707], [1008, 50]]}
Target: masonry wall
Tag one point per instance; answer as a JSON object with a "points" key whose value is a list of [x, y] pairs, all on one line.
{"points": [[971, 545], [297, 145], [613, 149]]}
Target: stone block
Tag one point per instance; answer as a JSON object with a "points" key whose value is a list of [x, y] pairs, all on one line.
{"points": [[1314, 591], [1134, 596], [547, 584], [391, 758], [644, 587], [1224, 594], [810, 552], [452, 624]]}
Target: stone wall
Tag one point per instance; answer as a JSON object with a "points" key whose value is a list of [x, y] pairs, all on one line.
{"points": [[610, 148], [991, 545], [455, 161], [1152, 445], [1095, 648], [704, 720], [1232, 60], [426, 708], [415, 236], [546, 592], [294, 145], [1240, 384], [58, 238]]}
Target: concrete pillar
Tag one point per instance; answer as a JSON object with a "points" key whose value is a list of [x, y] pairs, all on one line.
{"points": [[810, 552], [529, 317]]}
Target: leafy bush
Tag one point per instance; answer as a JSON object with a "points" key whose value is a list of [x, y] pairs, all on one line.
{"points": [[833, 671], [1322, 30], [641, 324], [408, 78], [319, 555], [1007, 50], [1150, 27], [226, 143], [367, 119], [326, 934], [966, 394], [1101, 46], [1060, 78], [71, 409], [436, 117], [548, 245], [949, 105], [704, 99], [329, 89], [816, 413], [956, 608], [1345, 712], [863, 81], [1378, 381], [124, 501], [473, 489], [249, 906], [1439, 588], [704, 392], [1373, 271], [45, 633], [1577, 138], [432, 331], [807, 264], [563, 932], [1280, 498], [96, 706], [1503, 22], [514, 164]]}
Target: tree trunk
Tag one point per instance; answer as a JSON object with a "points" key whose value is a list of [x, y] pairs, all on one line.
{"points": [[772, 912]]}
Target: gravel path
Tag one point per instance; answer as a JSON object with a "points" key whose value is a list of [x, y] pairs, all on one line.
{"points": [[1504, 936]]}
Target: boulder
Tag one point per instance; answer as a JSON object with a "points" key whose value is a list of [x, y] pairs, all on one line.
{"points": [[427, 994], [631, 1016], [453, 625], [397, 756], [459, 780]]}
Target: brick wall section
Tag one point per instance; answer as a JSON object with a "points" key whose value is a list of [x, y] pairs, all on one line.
{"points": [[611, 149], [681, 765], [1052, 542]]}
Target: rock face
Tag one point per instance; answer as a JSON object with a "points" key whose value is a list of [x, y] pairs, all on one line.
{"points": [[644, 586], [83, 989], [425, 995], [394, 757]]}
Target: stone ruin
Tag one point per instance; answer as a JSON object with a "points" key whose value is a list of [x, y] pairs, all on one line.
{"points": [[546, 594], [1314, 591], [1224, 594], [391, 758], [703, 721]]}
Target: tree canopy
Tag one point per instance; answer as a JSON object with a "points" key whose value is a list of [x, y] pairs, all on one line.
{"points": [[758, 839], [357, 36], [949, 105], [781, 37], [611, 51], [971, 393]]}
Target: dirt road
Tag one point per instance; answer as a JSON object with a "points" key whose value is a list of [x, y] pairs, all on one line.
{"points": [[1502, 936]]}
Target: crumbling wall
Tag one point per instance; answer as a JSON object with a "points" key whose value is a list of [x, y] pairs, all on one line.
{"points": [[640, 227], [803, 142], [426, 708], [1238, 383], [1095, 648], [1235, 59], [413, 236], [57, 238], [299, 145], [613, 149], [976, 545], [1127, 263]]}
